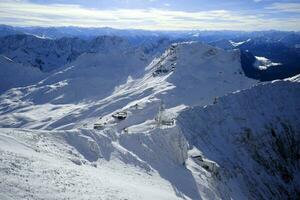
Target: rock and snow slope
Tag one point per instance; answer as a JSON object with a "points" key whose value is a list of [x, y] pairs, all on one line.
{"points": [[13, 74], [87, 89], [202, 72], [42, 53], [242, 147], [253, 137], [48, 146], [50, 54]]}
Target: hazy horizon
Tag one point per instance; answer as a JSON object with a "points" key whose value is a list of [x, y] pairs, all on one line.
{"points": [[148, 30]]}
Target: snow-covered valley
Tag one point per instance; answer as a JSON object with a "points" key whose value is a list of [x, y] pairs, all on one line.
{"points": [[115, 125]]}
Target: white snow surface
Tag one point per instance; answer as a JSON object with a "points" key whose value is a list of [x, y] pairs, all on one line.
{"points": [[83, 164], [263, 63], [228, 44], [237, 44]]}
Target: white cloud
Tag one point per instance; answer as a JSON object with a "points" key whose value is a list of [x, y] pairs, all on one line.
{"points": [[30, 14], [285, 7]]}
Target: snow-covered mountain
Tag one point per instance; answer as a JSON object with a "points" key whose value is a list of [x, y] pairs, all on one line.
{"points": [[47, 54], [13, 74], [101, 55], [289, 38], [51, 54], [98, 84], [50, 48], [252, 137], [112, 124], [272, 58], [223, 151]]}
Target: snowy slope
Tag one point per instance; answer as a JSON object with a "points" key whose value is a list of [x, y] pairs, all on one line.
{"points": [[74, 88], [225, 150], [50, 125], [221, 151], [263, 63], [222, 138], [186, 74], [82, 164], [89, 87], [253, 137], [205, 72], [13, 74]]}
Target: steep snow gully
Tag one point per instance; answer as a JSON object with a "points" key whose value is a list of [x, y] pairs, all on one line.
{"points": [[150, 138]]}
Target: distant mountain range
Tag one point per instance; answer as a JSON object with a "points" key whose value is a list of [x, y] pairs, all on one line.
{"points": [[206, 36]]}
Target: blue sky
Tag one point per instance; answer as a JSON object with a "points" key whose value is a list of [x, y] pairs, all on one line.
{"points": [[155, 14]]}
